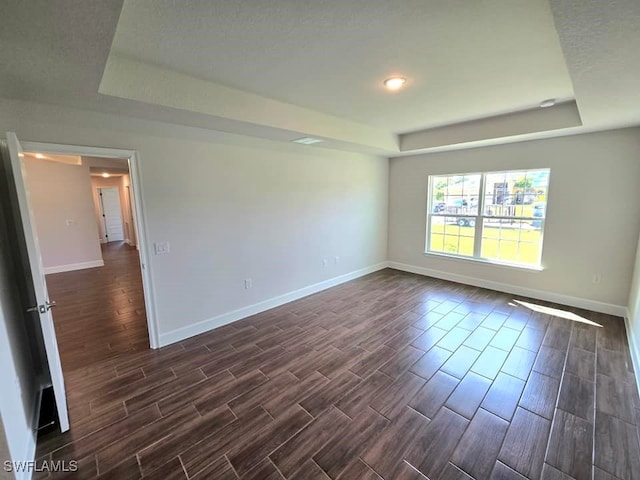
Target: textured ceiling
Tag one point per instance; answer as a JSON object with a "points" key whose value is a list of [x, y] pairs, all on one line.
{"points": [[286, 69], [601, 41], [463, 59], [55, 51]]}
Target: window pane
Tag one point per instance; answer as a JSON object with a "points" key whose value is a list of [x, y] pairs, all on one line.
{"points": [[529, 233], [496, 191], [450, 226], [437, 242], [512, 215], [451, 243], [447, 236], [438, 192], [453, 209], [458, 245], [466, 246], [516, 194], [455, 194], [508, 251], [463, 226], [539, 212], [490, 248], [492, 228], [437, 225], [512, 241], [529, 253]]}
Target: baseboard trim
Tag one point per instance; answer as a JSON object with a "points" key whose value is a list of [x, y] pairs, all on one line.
{"points": [[633, 349], [235, 315], [73, 266], [559, 298]]}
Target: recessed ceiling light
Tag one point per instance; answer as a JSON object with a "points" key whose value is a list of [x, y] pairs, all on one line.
{"points": [[39, 155], [307, 140], [394, 83], [106, 175], [550, 102]]}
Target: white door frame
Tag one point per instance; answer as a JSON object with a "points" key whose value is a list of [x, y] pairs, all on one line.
{"points": [[140, 219]]}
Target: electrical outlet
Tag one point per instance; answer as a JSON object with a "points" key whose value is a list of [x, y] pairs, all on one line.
{"points": [[248, 283], [325, 262], [336, 260], [595, 279], [161, 248]]}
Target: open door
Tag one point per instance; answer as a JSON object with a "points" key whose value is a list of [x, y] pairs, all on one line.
{"points": [[37, 278]]}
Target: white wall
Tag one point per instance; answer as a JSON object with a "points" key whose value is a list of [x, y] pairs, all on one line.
{"points": [[60, 193], [593, 216], [232, 208]]}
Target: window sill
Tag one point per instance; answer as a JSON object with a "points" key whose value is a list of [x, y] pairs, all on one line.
{"points": [[529, 268]]}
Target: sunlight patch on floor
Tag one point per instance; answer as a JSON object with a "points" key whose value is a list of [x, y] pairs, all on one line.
{"points": [[556, 313]]}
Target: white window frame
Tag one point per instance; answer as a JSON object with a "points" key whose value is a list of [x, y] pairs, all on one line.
{"points": [[479, 217]]}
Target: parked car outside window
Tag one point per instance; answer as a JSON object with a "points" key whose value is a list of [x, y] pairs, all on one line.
{"points": [[439, 207], [538, 212]]}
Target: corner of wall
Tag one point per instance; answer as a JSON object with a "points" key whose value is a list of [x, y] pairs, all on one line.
{"points": [[633, 348], [388, 253], [235, 315], [584, 303]]}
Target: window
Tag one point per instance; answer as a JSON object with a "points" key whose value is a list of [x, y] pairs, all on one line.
{"points": [[492, 216]]}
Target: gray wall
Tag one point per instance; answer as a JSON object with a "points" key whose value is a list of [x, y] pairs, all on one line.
{"points": [[232, 208], [59, 194], [593, 214]]}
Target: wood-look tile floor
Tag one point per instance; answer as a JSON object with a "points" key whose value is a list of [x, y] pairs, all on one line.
{"points": [[392, 376], [100, 312]]}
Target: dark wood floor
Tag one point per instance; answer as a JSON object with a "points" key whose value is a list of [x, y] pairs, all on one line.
{"points": [[391, 376], [100, 312]]}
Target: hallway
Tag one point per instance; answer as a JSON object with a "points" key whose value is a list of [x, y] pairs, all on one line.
{"points": [[100, 312]]}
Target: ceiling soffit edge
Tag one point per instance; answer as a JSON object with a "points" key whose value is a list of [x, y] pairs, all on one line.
{"points": [[560, 116]]}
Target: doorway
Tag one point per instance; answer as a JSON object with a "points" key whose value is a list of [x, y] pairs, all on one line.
{"points": [[101, 312], [37, 303], [111, 212], [93, 272], [118, 162]]}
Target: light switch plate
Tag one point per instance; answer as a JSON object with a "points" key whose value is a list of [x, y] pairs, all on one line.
{"points": [[161, 248]]}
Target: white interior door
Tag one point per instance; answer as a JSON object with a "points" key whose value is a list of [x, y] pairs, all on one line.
{"points": [[43, 307], [111, 214]]}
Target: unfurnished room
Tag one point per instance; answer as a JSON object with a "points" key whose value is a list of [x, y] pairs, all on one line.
{"points": [[320, 240]]}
